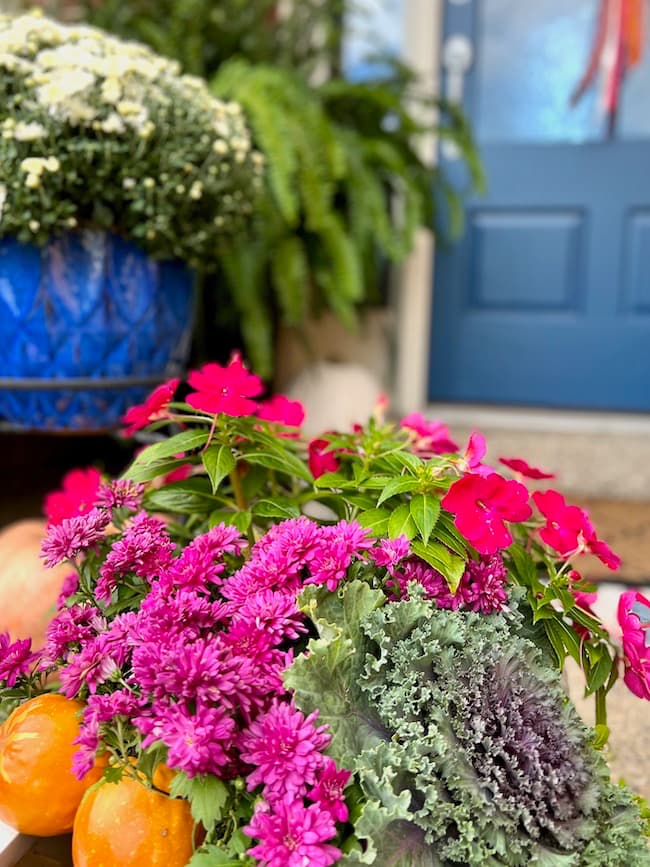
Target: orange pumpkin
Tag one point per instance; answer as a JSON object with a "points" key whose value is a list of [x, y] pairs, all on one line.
{"points": [[125, 824], [28, 591], [39, 794]]}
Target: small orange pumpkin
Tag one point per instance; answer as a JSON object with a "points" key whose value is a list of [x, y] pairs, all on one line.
{"points": [[39, 794], [28, 590], [125, 824]]}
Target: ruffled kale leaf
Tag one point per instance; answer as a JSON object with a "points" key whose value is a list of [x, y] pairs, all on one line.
{"points": [[462, 741]]}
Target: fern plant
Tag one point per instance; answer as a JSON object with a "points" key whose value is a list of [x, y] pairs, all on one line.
{"points": [[346, 192], [346, 189]]}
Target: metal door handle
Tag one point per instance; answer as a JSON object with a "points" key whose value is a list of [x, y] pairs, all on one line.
{"points": [[457, 59]]}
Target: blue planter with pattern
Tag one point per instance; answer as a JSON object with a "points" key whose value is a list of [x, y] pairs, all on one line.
{"points": [[89, 324]]}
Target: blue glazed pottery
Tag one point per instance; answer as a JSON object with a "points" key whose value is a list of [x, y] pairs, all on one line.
{"points": [[89, 324]]}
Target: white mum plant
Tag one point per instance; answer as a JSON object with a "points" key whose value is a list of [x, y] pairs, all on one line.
{"points": [[98, 132]]}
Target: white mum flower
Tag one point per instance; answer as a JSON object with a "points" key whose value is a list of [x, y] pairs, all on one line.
{"points": [[113, 123], [63, 84], [33, 165], [111, 90], [29, 131]]}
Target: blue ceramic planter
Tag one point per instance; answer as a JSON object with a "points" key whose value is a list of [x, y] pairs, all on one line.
{"points": [[89, 324]]}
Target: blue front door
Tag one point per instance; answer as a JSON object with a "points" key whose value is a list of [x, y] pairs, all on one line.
{"points": [[546, 298]]}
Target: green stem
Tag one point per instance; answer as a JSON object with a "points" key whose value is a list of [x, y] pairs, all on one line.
{"points": [[237, 490], [601, 707]]}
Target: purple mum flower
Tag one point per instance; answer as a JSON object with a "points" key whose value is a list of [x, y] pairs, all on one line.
{"points": [[292, 835], [72, 536], [120, 494], [285, 748], [16, 658]]}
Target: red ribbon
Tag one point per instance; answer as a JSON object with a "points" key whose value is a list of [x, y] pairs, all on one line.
{"points": [[617, 46]]}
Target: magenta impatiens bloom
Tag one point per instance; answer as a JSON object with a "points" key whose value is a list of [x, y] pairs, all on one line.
{"points": [[634, 620], [282, 410], [228, 390], [153, 409], [322, 458], [482, 505], [569, 531], [518, 465], [16, 658], [77, 495], [285, 748], [473, 455], [429, 437], [292, 835]]}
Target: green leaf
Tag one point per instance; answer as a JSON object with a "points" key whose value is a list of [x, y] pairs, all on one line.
{"points": [[336, 481], [599, 674], [218, 461], [425, 511], [401, 523], [207, 795], [288, 463], [241, 519], [186, 441], [449, 565], [211, 856], [400, 485], [408, 460], [147, 472], [187, 497], [327, 678], [447, 533], [279, 507], [375, 520]]}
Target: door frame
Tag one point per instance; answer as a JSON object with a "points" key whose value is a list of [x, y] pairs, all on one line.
{"points": [[422, 22]]}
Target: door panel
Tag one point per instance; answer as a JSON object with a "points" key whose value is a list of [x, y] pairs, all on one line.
{"points": [[546, 298]]}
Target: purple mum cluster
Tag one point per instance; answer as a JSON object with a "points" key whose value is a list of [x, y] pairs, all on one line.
{"points": [[198, 666]]}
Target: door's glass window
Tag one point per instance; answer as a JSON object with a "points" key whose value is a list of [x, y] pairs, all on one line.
{"points": [[529, 57]]}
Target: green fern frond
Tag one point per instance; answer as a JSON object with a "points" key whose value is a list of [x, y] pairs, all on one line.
{"points": [[290, 277]]}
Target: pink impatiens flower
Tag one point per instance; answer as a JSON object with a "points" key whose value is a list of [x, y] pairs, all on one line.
{"points": [[226, 390], [292, 835], [482, 505], [154, 407], [429, 437], [518, 465], [322, 458], [634, 620], [569, 531], [282, 410], [473, 455], [77, 495]]}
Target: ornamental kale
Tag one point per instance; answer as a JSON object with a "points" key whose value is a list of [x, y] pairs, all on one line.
{"points": [[462, 741]]}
